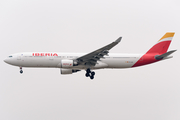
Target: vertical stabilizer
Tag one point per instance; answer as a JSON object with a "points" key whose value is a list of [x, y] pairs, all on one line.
{"points": [[162, 45], [157, 52]]}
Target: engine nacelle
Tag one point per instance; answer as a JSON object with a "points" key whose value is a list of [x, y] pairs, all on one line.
{"points": [[68, 71], [66, 63]]}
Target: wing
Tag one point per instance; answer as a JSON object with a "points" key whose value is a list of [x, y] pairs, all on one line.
{"points": [[93, 57]]}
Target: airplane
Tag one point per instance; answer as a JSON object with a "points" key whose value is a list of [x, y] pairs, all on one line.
{"points": [[99, 59]]}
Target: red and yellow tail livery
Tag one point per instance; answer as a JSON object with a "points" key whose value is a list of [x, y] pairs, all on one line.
{"points": [[158, 51], [163, 44]]}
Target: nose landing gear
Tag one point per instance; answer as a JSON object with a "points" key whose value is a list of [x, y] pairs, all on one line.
{"points": [[21, 71], [90, 73]]}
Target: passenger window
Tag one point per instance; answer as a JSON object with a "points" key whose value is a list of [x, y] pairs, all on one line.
{"points": [[10, 56]]}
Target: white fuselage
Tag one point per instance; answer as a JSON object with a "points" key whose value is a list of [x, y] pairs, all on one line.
{"points": [[101, 58], [53, 60]]}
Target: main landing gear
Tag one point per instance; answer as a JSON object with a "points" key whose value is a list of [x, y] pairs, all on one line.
{"points": [[21, 71], [90, 73]]}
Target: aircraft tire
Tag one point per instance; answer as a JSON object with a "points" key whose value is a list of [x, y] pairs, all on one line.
{"points": [[92, 77], [88, 70], [93, 73], [87, 74]]}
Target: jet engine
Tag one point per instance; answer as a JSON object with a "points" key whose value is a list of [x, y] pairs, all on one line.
{"points": [[68, 71], [68, 63]]}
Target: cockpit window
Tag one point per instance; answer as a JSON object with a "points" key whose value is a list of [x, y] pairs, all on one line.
{"points": [[10, 56]]}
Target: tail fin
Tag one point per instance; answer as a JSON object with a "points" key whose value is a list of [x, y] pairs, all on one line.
{"points": [[162, 45]]}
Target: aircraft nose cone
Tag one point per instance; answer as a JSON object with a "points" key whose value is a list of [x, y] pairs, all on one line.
{"points": [[5, 60]]}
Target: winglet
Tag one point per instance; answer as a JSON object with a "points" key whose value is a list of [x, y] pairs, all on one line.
{"points": [[118, 40]]}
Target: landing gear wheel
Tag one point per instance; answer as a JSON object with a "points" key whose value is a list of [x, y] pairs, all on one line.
{"points": [[92, 77], [21, 71], [87, 75], [92, 73], [88, 70]]}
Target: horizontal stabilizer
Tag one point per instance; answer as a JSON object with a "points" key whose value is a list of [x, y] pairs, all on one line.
{"points": [[159, 57]]}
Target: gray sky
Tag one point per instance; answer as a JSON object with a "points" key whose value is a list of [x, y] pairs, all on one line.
{"points": [[144, 93]]}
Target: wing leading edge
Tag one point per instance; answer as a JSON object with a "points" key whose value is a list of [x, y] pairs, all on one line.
{"points": [[92, 58]]}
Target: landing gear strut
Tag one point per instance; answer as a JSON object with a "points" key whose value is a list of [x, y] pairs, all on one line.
{"points": [[21, 71], [90, 73]]}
